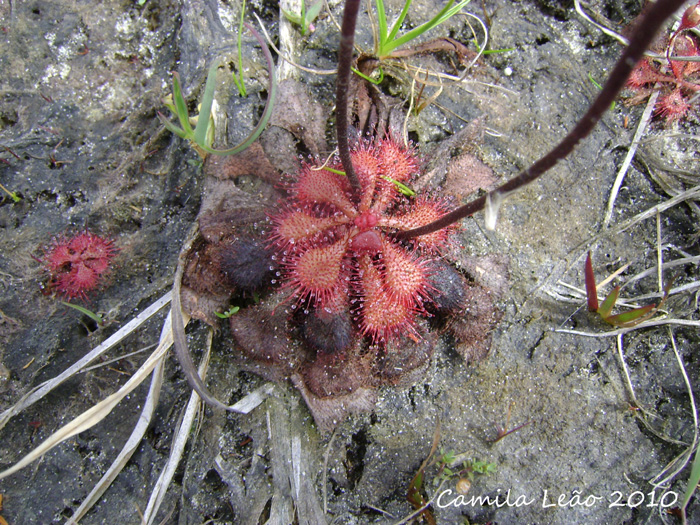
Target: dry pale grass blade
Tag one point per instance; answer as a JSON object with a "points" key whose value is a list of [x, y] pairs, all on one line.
{"points": [[182, 434], [484, 42], [580, 294], [135, 439], [644, 415], [330, 15], [461, 77], [692, 193], [564, 292], [663, 478], [665, 266], [617, 36], [326, 455], [669, 161], [47, 386], [459, 82], [641, 128], [289, 60], [628, 379], [254, 399], [97, 413], [293, 468], [289, 38], [687, 287], [640, 326], [601, 27], [493, 205]]}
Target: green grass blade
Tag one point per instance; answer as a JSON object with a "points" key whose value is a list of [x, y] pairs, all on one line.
{"points": [[92, 315], [303, 18], [12, 194], [381, 20], [313, 12], [200, 132], [609, 302], [267, 112], [171, 108], [181, 107], [333, 170], [292, 17], [693, 481], [401, 187], [172, 128], [239, 81], [368, 78], [445, 14], [496, 51], [400, 19], [629, 317]]}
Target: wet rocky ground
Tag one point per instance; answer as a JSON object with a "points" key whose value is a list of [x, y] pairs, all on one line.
{"points": [[81, 147]]}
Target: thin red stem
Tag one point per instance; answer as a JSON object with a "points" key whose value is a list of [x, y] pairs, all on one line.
{"points": [[347, 39]]}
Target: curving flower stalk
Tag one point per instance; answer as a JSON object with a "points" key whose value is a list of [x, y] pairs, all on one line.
{"points": [[644, 33]]}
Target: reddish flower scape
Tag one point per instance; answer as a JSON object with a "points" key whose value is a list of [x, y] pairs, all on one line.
{"points": [[77, 265], [336, 253]]}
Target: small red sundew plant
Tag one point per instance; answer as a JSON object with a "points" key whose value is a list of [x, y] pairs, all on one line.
{"points": [[337, 253], [676, 80], [77, 265]]}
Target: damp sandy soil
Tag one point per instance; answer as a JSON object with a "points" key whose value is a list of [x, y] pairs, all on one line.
{"points": [[82, 147]]}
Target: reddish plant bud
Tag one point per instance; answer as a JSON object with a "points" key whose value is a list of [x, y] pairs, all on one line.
{"points": [[690, 18]]}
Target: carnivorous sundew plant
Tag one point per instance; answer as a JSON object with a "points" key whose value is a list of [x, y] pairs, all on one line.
{"points": [[676, 76], [358, 263], [77, 265], [337, 254]]}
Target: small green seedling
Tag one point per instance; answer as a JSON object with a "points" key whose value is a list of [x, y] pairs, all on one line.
{"points": [[98, 318], [16, 198], [447, 461], [399, 185], [494, 51], [305, 20], [597, 84], [238, 80], [622, 320], [228, 313], [447, 464], [388, 40], [201, 137], [481, 467]]}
